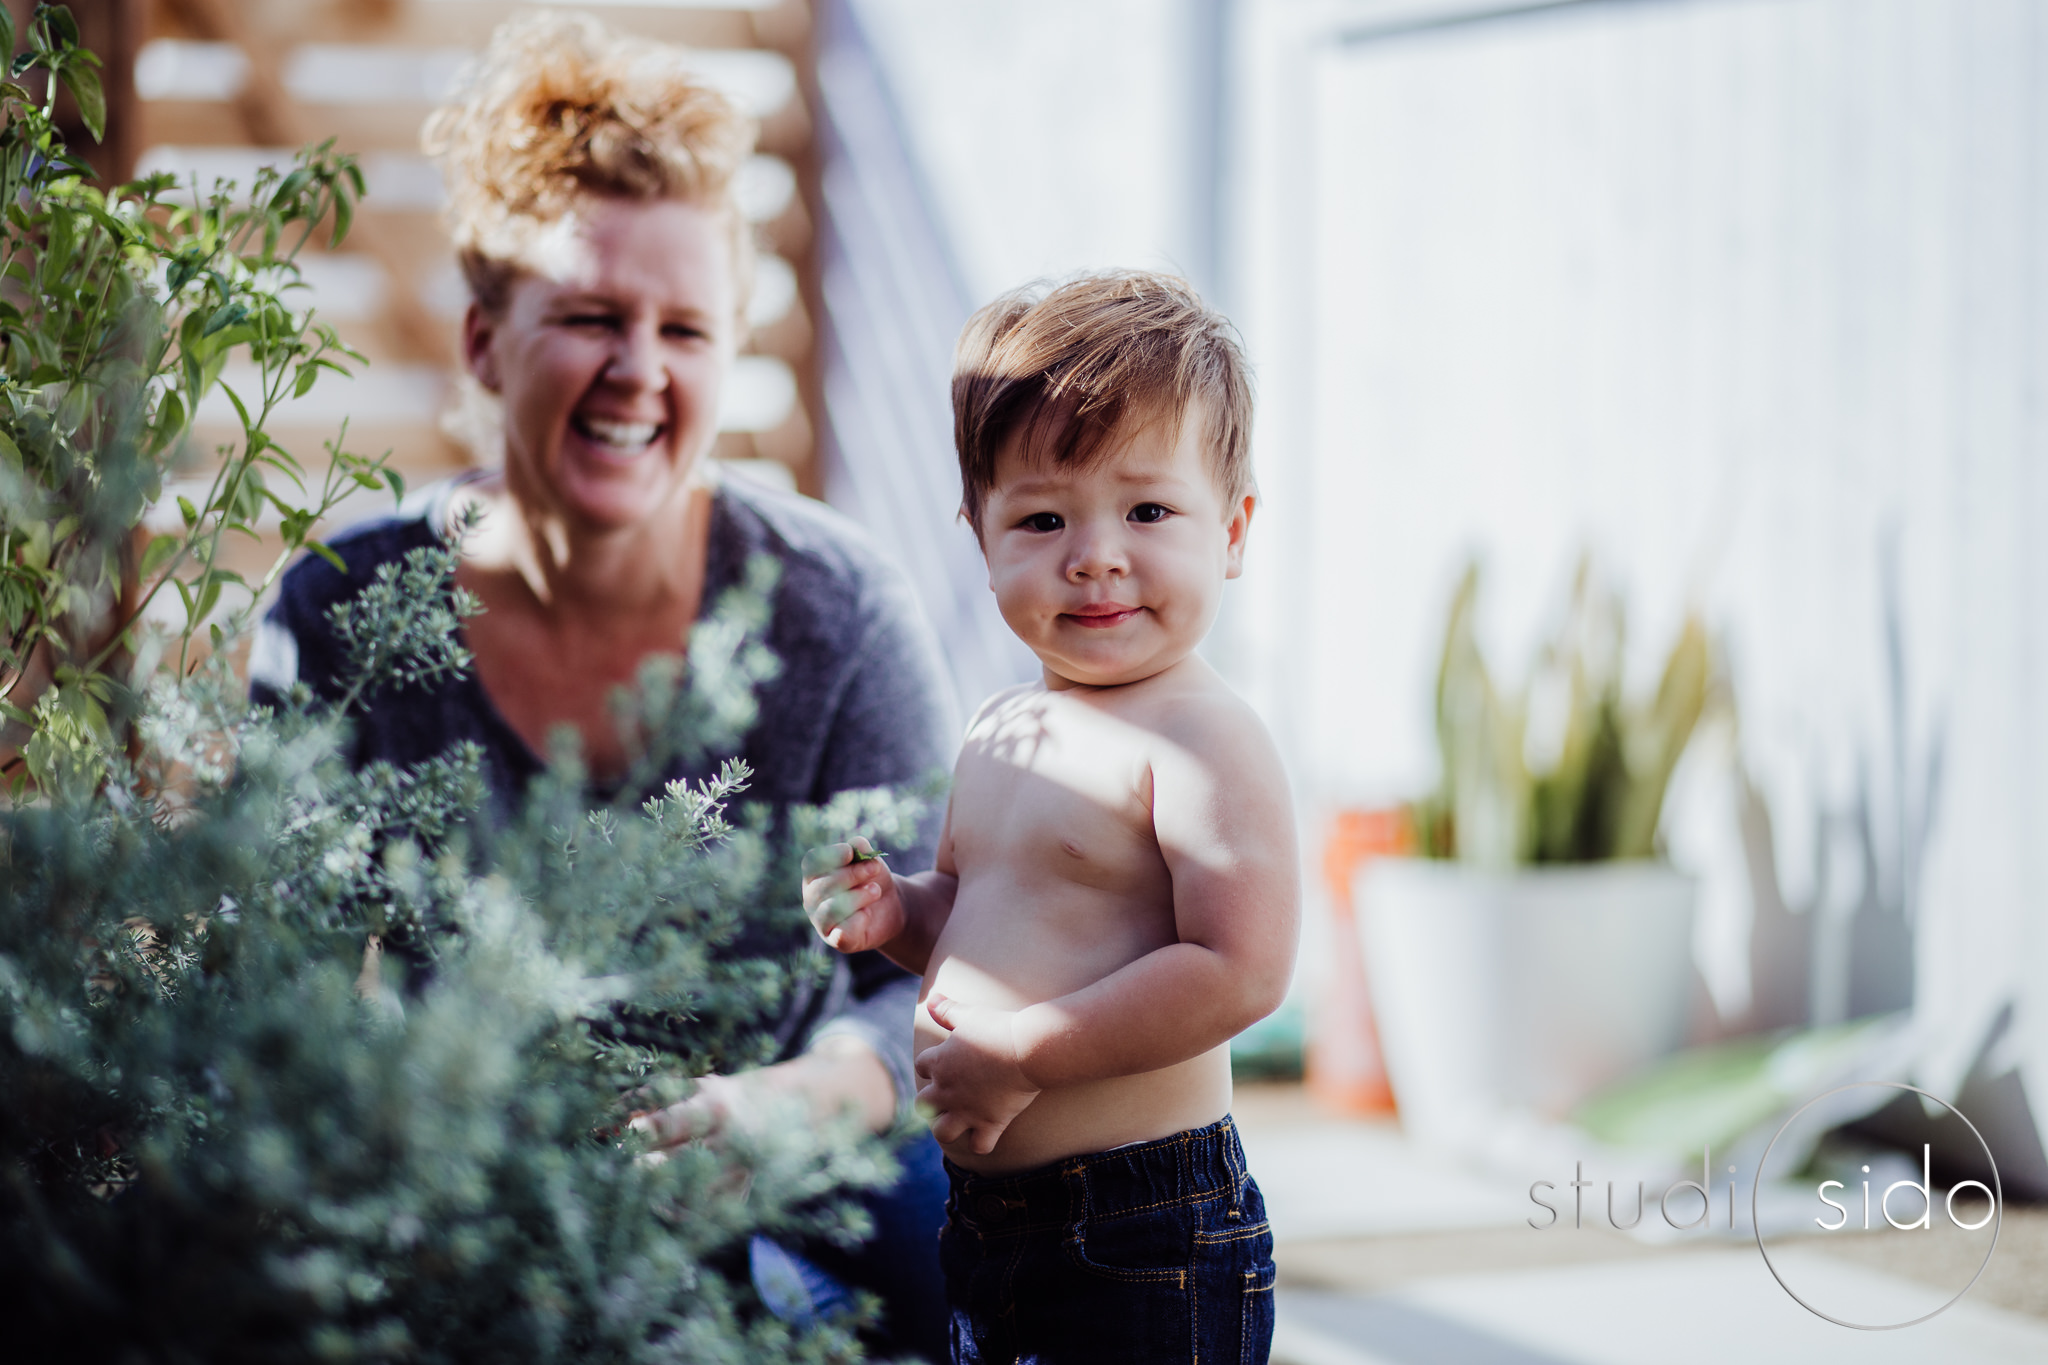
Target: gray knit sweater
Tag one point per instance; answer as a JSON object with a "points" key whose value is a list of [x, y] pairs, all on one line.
{"points": [[861, 701]]}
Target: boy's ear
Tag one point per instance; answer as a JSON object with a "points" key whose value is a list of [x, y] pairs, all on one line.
{"points": [[980, 543], [478, 328], [1240, 526]]}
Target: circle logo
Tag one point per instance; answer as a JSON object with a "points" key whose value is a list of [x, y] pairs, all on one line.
{"points": [[1996, 1216]]}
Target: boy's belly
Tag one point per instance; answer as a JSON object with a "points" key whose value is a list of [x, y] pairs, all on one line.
{"points": [[1010, 961], [1095, 1116]]}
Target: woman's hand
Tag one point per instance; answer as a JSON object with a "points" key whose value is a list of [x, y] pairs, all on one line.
{"points": [[839, 1078], [851, 897], [718, 1103], [974, 1082]]}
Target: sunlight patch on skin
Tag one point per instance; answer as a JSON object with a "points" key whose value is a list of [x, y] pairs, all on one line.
{"points": [[970, 984], [500, 540], [1017, 734]]}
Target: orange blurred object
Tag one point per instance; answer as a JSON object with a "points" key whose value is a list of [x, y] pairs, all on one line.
{"points": [[1344, 1070]]}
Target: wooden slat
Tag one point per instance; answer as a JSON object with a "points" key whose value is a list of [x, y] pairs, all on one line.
{"points": [[789, 336], [271, 118], [414, 445], [356, 128], [428, 23]]}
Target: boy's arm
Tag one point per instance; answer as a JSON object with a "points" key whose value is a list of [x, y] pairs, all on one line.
{"points": [[857, 905], [1225, 825]]}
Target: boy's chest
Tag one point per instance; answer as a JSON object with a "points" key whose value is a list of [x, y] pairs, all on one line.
{"points": [[1057, 789]]}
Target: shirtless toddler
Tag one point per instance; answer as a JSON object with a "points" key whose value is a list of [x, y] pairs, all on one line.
{"points": [[1115, 894]]}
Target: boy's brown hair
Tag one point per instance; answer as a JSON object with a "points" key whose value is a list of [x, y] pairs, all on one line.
{"points": [[1063, 368]]}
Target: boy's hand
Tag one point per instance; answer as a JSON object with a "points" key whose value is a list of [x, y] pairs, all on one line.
{"points": [[851, 898], [974, 1084]]}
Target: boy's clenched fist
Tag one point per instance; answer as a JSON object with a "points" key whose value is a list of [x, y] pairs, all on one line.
{"points": [[851, 897]]}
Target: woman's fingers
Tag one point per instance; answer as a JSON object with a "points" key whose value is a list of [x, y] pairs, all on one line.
{"points": [[676, 1124]]}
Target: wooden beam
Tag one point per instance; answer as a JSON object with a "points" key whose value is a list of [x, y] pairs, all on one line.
{"points": [[271, 118]]}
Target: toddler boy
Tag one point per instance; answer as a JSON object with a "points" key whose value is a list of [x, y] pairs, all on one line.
{"points": [[1115, 892]]}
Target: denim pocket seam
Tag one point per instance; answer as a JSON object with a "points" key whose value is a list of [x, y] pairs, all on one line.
{"points": [[1259, 1229], [1077, 1252], [1076, 1247], [1178, 1201]]}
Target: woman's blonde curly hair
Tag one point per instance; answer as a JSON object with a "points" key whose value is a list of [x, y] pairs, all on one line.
{"points": [[561, 106]]}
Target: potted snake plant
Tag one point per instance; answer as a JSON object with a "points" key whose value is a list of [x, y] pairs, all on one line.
{"points": [[1538, 944]]}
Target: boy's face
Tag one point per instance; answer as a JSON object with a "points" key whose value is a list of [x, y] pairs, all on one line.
{"points": [[1114, 572]]}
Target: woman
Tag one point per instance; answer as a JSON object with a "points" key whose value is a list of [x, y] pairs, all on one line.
{"points": [[591, 202]]}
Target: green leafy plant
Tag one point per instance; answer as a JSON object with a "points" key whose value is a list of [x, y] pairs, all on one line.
{"points": [[231, 1135], [120, 310], [1595, 789]]}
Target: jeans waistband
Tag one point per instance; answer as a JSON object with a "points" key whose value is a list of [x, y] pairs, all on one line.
{"points": [[1189, 1167]]}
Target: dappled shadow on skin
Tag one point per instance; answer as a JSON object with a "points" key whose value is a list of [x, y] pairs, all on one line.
{"points": [[1019, 733], [1058, 888]]}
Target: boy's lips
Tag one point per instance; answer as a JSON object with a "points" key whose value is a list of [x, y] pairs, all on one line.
{"points": [[1102, 615]]}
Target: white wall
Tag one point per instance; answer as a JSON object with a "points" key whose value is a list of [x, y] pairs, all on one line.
{"points": [[1737, 292], [1050, 133], [1734, 291]]}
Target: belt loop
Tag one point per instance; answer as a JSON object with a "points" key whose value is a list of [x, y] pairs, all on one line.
{"points": [[1233, 1161]]}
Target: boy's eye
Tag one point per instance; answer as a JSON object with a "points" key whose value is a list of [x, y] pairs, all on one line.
{"points": [[1149, 512], [1042, 521]]}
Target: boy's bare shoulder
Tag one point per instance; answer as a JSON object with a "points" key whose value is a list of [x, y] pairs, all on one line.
{"points": [[1201, 715]]}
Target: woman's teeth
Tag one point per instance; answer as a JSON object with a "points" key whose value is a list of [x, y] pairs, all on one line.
{"points": [[618, 435]]}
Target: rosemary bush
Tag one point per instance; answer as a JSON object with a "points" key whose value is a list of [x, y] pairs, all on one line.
{"points": [[230, 1135], [228, 1132]]}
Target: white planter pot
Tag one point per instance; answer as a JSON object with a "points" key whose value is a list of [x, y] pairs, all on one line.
{"points": [[1521, 992]]}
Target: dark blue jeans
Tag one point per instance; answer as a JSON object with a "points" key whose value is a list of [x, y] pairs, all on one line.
{"points": [[899, 1263], [1154, 1252]]}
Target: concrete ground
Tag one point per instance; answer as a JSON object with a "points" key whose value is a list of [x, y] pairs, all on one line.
{"points": [[1388, 1256]]}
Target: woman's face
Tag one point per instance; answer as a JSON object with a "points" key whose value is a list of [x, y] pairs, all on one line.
{"points": [[609, 356]]}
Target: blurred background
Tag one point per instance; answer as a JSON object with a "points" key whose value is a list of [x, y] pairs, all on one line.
{"points": [[1648, 592]]}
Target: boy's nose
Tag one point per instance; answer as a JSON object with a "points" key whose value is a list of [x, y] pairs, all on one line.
{"points": [[1096, 556]]}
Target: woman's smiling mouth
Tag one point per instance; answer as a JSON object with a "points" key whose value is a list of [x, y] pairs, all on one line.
{"points": [[617, 438]]}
